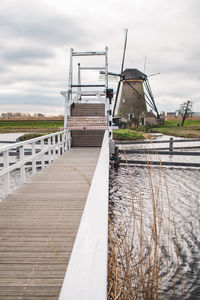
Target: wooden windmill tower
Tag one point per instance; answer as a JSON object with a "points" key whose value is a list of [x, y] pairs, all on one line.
{"points": [[132, 96], [133, 93]]}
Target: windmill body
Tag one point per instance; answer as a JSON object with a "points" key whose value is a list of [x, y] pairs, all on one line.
{"points": [[132, 101]]}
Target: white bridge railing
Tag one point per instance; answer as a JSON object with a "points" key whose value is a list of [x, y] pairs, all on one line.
{"points": [[86, 276], [32, 153]]}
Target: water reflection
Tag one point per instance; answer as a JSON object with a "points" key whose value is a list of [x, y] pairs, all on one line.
{"points": [[178, 191]]}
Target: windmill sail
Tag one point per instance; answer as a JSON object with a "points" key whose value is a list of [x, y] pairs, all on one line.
{"points": [[122, 68]]}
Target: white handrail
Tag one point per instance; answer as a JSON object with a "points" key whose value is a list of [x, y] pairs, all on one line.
{"points": [[86, 276], [50, 149], [38, 139]]}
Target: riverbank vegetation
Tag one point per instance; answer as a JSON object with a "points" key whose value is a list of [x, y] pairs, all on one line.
{"points": [[29, 136], [191, 129], [127, 134]]}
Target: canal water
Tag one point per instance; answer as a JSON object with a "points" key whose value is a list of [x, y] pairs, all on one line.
{"points": [[175, 192]]}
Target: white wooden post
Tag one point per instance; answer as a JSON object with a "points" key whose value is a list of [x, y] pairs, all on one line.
{"points": [[54, 150], [7, 175], [69, 139], [42, 157], [34, 160], [49, 152], [63, 143], [58, 143], [22, 169]]}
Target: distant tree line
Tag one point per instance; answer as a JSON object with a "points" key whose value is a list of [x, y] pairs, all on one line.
{"points": [[28, 116]]}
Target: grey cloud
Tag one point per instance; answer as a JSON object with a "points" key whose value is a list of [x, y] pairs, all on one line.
{"points": [[44, 27], [34, 34], [30, 99], [27, 55]]}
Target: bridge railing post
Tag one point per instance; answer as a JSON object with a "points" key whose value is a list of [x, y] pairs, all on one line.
{"points": [[34, 160], [59, 146], [49, 151], [6, 176], [22, 168], [42, 157], [53, 144], [109, 95], [63, 142], [69, 139]]}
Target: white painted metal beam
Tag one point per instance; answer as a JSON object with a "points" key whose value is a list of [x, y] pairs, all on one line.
{"points": [[88, 53], [92, 68]]}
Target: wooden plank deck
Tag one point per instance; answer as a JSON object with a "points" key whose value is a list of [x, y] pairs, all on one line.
{"points": [[38, 225]]}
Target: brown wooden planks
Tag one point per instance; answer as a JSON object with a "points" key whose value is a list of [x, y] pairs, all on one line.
{"points": [[38, 225]]}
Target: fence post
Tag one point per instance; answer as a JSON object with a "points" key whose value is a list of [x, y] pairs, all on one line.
{"points": [[7, 176], [69, 139], [65, 140], [34, 160], [109, 96], [42, 156], [49, 152], [58, 143], [54, 150], [171, 144], [63, 143], [22, 168]]}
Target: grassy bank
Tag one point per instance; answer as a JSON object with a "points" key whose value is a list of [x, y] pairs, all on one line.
{"points": [[43, 126], [127, 134], [191, 129]]}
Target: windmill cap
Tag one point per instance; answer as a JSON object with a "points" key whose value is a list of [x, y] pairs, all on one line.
{"points": [[133, 74]]}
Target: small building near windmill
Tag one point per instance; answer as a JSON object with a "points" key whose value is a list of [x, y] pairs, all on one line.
{"points": [[148, 118], [132, 100]]}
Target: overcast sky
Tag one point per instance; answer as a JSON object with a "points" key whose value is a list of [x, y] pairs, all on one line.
{"points": [[36, 36]]}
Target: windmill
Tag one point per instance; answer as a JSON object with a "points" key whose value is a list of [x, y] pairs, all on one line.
{"points": [[134, 93]]}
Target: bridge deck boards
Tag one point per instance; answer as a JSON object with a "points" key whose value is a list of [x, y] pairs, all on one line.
{"points": [[38, 225]]}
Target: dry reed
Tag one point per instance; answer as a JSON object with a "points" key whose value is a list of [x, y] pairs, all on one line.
{"points": [[139, 252]]}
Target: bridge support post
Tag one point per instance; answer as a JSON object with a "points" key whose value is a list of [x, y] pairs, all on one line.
{"points": [[49, 152], [109, 95], [42, 157], [6, 176], [22, 168], [34, 160]]}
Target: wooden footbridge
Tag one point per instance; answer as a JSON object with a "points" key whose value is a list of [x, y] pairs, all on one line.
{"points": [[39, 222], [54, 226]]}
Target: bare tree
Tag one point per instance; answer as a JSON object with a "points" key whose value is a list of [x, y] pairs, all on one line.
{"points": [[185, 111]]}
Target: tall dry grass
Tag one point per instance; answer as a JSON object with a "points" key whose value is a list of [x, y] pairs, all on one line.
{"points": [[139, 252]]}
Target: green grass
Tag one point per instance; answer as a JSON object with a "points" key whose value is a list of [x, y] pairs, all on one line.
{"points": [[32, 125], [187, 123], [127, 134], [190, 129]]}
